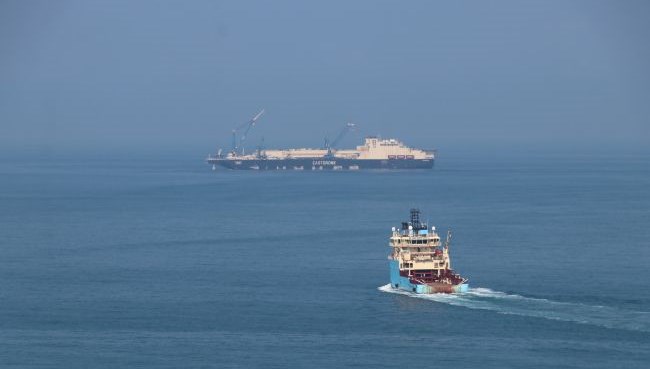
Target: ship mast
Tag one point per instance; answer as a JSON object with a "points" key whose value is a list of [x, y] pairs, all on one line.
{"points": [[448, 240]]}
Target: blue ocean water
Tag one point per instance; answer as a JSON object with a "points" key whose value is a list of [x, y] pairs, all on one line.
{"points": [[162, 263]]}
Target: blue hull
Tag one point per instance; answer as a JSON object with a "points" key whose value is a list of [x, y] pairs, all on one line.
{"points": [[321, 164], [403, 283]]}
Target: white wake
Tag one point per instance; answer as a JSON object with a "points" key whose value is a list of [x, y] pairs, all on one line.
{"points": [[503, 303]]}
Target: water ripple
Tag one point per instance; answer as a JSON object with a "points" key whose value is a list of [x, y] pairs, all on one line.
{"points": [[504, 303]]}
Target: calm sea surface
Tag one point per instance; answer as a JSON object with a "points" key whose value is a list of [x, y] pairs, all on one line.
{"points": [[141, 262]]}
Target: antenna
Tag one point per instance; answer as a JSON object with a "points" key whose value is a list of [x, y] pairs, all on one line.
{"points": [[415, 220]]}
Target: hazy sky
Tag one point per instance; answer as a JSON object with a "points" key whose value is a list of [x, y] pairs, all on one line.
{"points": [[179, 75]]}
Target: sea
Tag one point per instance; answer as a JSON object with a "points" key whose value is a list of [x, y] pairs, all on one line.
{"points": [[147, 261]]}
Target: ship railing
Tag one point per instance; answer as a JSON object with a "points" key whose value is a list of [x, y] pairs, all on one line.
{"points": [[419, 280], [432, 152], [428, 260]]}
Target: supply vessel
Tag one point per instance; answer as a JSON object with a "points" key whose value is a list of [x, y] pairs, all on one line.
{"points": [[374, 153], [419, 262]]}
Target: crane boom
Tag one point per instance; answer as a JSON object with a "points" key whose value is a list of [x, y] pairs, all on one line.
{"points": [[248, 125], [330, 145], [347, 128]]}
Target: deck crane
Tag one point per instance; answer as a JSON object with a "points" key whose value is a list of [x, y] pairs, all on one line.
{"points": [[329, 146], [248, 125]]}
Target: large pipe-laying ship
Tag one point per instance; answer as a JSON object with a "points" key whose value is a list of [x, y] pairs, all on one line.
{"points": [[375, 153]]}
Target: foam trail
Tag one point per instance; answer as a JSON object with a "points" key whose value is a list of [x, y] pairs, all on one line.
{"points": [[500, 302]]}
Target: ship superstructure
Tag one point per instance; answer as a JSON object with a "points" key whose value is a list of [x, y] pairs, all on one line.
{"points": [[420, 262], [374, 153]]}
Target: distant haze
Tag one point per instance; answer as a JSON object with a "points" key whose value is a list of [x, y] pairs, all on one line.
{"points": [[178, 75]]}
